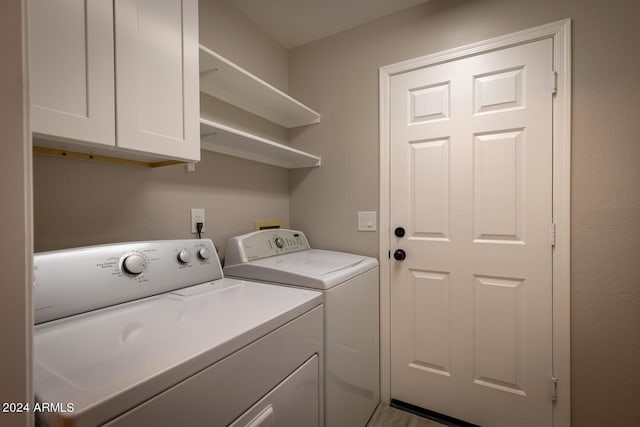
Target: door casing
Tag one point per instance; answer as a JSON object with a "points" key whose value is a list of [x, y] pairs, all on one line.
{"points": [[560, 33]]}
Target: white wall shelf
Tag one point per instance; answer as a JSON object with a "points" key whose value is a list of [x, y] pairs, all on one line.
{"points": [[226, 140], [225, 80]]}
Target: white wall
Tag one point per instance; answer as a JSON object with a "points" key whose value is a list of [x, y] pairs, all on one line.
{"points": [[339, 77], [15, 212]]}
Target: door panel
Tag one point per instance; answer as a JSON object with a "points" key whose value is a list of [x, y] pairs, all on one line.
{"points": [[471, 181], [430, 189], [431, 314], [498, 192], [498, 325]]}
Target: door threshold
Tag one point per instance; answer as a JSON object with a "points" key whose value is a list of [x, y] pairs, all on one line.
{"points": [[430, 415]]}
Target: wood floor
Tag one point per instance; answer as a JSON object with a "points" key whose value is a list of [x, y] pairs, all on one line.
{"points": [[386, 416]]}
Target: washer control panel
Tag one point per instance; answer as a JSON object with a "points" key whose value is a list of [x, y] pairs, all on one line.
{"points": [[264, 244], [73, 281]]}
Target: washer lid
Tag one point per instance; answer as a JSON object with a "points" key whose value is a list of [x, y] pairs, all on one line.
{"points": [[110, 360], [314, 268]]}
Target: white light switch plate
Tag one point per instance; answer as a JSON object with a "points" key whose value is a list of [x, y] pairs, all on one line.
{"points": [[367, 221]]}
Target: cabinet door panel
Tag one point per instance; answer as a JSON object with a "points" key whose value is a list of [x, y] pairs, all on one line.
{"points": [[157, 87], [72, 86]]}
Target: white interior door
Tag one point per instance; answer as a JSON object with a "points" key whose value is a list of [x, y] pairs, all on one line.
{"points": [[471, 183]]}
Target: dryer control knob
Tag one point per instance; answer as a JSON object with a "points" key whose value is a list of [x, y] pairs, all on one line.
{"points": [[279, 242], [134, 264], [184, 256], [204, 253]]}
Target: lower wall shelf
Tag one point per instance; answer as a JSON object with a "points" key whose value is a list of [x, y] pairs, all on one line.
{"points": [[227, 140]]}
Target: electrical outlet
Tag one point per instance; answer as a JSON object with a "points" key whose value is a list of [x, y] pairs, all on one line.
{"points": [[197, 215]]}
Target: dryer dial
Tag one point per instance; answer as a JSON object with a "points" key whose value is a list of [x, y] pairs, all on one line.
{"points": [[134, 264]]}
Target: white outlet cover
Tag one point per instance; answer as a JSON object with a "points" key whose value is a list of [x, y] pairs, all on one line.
{"points": [[367, 221], [197, 215]]}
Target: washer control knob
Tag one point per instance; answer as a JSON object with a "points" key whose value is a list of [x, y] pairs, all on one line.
{"points": [[279, 242], [184, 257], [204, 253], [134, 264]]}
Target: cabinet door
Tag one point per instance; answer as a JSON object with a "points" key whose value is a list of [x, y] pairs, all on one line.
{"points": [[157, 88], [72, 88]]}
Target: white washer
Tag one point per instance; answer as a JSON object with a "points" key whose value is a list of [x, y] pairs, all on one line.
{"points": [[150, 333], [350, 284]]}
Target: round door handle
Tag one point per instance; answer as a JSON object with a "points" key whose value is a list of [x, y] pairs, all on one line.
{"points": [[399, 232], [399, 255]]}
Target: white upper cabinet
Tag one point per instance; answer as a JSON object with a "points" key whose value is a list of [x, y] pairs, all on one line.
{"points": [[72, 82], [157, 91], [120, 73]]}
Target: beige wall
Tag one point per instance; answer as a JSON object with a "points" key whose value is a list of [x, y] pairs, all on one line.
{"points": [[228, 32], [15, 212], [338, 76], [79, 203]]}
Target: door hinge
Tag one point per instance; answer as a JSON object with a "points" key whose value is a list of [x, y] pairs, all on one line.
{"points": [[554, 389], [552, 234], [389, 254], [553, 83]]}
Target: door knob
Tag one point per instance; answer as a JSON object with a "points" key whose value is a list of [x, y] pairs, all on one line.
{"points": [[399, 255], [399, 232]]}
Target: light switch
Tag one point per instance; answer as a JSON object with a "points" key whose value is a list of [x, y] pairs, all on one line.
{"points": [[367, 221]]}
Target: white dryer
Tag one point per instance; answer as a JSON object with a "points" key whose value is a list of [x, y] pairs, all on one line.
{"points": [[350, 284], [151, 333]]}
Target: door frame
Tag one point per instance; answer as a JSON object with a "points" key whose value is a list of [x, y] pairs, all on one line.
{"points": [[560, 33]]}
